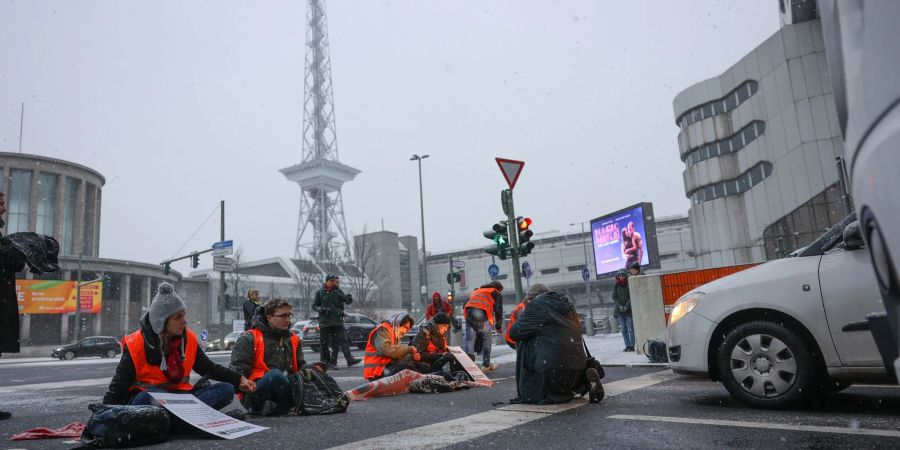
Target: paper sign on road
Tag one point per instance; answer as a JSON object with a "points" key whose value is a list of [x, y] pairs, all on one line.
{"points": [[470, 366], [191, 410]]}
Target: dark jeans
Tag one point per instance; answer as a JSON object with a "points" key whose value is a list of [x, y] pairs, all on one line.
{"points": [[216, 396], [477, 324], [275, 385], [331, 339], [443, 360]]}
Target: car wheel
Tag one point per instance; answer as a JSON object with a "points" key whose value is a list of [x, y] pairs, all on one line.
{"points": [[314, 348], [69, 355], [766, 365], [110, 353]]}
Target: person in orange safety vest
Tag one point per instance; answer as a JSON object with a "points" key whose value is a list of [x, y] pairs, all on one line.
{"points": [[385, 354], [484, 312]]}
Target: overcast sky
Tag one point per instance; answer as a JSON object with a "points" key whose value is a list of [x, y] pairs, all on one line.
{"points": [[180, 104]]}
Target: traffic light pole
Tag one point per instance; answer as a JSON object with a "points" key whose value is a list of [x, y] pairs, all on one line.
{"points": [[221, 303], [513, 227]]}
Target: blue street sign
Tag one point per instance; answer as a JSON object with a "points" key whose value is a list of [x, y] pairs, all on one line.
{"points": [[223, 244], [526, 269], [204, 334], [585, 274], [493, 270]]}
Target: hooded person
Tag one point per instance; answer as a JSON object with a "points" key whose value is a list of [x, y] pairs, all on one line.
{"points": [[533, 291], [622, 311], [267, 354], [551, 364], [438, 305], [385, 354], [431, 343], [11, 262], [160, 356]]}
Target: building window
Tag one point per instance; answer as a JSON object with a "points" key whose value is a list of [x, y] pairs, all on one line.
{"points": [[736, 186], [731, 144], [549, 271], [719, 106], [71, 202], [19, 200], [668, 257], [575, 268], [46, 203], [803, 225]]}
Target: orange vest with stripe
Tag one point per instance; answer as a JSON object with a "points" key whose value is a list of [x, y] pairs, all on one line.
{"points": [[512, 320], [148, 376], [373, 363], [433, 348], [259, 349], [482, 299]]}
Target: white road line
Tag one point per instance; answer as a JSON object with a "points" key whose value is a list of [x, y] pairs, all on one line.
{"points": [[764, 425], [451, 432], [55, 385]]}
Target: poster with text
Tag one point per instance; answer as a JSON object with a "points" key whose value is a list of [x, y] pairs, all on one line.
{"points": [[619, 240], [57, 297], [191, 410]]}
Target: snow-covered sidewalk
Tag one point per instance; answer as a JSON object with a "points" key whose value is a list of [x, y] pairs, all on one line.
{"points": [[607, 348]]}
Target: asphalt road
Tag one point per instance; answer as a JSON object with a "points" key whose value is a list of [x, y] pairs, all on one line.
{"points": [[646, 408]]}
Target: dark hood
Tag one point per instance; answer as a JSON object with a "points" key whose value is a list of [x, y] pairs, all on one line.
{"points": [[557, 302], [261, 323]]}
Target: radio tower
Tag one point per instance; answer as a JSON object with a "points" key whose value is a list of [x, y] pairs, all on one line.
{"points": [[321, 228]]}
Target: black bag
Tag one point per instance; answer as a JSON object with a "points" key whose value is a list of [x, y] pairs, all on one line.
{"points": [[656, 351], [119, 426], [316, 393], [592, 362]]}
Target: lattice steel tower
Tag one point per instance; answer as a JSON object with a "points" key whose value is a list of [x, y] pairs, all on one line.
{"points": [[320, 174]]}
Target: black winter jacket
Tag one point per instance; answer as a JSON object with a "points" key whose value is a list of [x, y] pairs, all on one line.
{"points": [[277, 353], [250, 308], [11, 261], [125, 372], [429, 333]]}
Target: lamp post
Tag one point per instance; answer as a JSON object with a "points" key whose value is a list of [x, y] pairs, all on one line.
{"points": [[587, 287], [424, 281]]}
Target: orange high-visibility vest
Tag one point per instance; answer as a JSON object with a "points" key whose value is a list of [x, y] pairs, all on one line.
{"points": [[373, 363], [433, 348], [512, 320], [259, 349], [148, 376], [482, 299]]}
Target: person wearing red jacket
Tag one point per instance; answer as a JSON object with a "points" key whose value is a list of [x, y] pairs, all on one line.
{"points": [[438, 305]]}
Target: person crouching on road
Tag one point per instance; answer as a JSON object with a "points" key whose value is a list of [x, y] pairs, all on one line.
{"points": [[266, 355], [385, 355], [533, 291], [551, 364], [160, 356], [431, 343]]}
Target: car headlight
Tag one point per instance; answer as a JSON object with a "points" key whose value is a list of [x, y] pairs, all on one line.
{"points": [[684, 305]]}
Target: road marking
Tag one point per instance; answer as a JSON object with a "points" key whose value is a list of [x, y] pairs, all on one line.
{"points": [[451, 432], [766, 425], [55, 385]]}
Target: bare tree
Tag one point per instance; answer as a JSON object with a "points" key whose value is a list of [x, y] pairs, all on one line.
{"points": [[307, 285], [362, 285], [235, 278]]}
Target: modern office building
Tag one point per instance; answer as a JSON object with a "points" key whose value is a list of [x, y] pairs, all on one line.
{"points": [[759, 144]]}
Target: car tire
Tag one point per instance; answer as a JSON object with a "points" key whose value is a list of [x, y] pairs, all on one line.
{"points": [[110, 353], [69, 356], [314, 348], [764, 364]]}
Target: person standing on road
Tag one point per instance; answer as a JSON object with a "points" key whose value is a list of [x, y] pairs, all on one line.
{"points": [[329, 303], [160, 356], [11, 261], [533, 291], [438, 305], [266, 355], [484, 311], [622, 310], [250, 305], [551, 364], [385, 355]]}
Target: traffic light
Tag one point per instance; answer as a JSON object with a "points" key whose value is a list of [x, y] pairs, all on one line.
{"points": [[195, 260], [523, 225], [166, 268], [499, 234]]}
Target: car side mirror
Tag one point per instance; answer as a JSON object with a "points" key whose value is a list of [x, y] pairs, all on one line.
{"points": [[853, 236]]}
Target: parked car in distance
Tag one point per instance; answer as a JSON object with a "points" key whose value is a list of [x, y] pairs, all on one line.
{"points": [[230, 339], [103, 346], [297, 327], [358, 328], [788, 330]]}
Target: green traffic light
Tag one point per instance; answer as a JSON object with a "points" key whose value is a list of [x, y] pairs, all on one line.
{"points": [[501, 240]]}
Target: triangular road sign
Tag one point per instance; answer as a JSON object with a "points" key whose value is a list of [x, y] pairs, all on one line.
{"points": [[511, 169]]}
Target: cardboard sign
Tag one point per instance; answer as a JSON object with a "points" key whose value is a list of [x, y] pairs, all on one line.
{"points": [[193, 411], [470, 366]]}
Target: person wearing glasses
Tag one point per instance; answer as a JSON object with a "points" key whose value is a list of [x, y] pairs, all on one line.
{"points": [[267, 354]]}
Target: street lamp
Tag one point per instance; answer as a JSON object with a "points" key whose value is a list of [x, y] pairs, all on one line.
{"points": [[587, 286], [423, 282]]}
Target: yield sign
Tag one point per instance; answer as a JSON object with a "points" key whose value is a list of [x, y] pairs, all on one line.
{"points": [[511, 170]]}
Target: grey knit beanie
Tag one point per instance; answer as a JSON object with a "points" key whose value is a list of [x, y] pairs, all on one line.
{"points": [[164, 305]]}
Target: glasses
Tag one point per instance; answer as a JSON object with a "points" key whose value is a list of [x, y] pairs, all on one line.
{"points": [[283, 316]]}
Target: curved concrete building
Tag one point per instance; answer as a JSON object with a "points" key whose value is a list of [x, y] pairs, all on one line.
{"points": [[759, 144]]}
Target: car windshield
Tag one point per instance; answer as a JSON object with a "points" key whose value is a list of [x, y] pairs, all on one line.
{"points": [[827, 241]]}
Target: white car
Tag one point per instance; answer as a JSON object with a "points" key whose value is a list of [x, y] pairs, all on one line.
{"points": [[786, 330]]}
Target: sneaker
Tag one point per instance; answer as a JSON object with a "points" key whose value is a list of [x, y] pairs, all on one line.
{"points": [[353, 362], [626, 349], [489, 368], [5, 415], [596, 392], [629, 349]]}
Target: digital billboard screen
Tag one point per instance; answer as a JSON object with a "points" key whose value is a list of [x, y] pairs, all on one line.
{"points": [[624, 237]]}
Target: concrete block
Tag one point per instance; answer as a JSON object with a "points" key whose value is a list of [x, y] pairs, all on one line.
{"points": [[811, 74], [647, 308], [805, 121], [820, 117], [798, 78]]}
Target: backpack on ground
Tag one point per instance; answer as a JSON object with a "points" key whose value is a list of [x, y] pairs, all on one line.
{"points": [[316, 393], [119, 426], [655, 350]]}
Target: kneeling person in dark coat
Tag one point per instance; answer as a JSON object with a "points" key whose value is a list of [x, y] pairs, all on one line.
{"points": [[551, 365]]}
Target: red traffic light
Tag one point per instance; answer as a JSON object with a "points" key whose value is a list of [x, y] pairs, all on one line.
{"points": [[525, 223]]}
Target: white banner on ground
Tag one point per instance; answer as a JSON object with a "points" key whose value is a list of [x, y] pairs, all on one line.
{"points": [[191, 410], [470, 366]]}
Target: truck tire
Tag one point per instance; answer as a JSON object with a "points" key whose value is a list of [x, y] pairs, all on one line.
{"points": [[764, 364]]}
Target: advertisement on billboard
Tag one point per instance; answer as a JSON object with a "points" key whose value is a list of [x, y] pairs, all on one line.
{"points": [[57, 297], [624, 237]]}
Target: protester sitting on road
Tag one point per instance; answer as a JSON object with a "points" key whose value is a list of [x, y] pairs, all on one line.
{"points": [[160, 356], [551, 365], [266, 355], [532, 292], [431, 343], [385, 355]]}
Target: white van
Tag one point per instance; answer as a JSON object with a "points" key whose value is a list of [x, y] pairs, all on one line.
{"points": [[785, 330]]}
